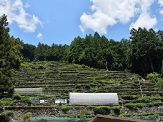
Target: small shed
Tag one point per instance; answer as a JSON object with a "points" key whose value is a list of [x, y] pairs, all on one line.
{"points": [[93, 99], [104, 118], [28, 90]]}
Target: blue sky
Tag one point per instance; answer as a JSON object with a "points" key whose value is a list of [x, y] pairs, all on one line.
{"points": [[60, 21]]}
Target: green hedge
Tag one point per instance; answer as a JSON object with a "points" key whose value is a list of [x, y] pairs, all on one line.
{"points": [[6, 102], [105, 110], [130, 97], [66, 108]]}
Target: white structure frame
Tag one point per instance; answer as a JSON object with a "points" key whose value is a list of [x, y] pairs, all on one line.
{"points": [[93, 99]]}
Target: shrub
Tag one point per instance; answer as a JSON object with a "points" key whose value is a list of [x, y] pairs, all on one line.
{"points": [[26, 99], [27, 115], [130, 97], [65, 108], [158, 103], [84, 66], [78, 86], [17, 97], [4, 118], [141, 105], [160, 83], [143, 99], [41, 67], [84, 114], [135, 105], [87, 86], [8, 113], [27, 64], [5, 102], [153, 76], [63, 115], [105, 110], [71, 115], [131, 106], [76, 65], [116, 110]]}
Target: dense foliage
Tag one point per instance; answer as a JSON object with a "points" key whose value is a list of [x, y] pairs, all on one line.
{"points": [[141, 54], [146, 51], [10, 58], [44, 52]]}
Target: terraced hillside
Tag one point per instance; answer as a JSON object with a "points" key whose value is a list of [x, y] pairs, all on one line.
{"points": [[58, 79]]}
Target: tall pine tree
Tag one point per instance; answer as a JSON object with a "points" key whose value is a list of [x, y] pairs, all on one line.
{"points": [[8, 59]]}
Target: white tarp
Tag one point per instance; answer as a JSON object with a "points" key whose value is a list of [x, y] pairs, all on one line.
{"points": [[93, 99]]}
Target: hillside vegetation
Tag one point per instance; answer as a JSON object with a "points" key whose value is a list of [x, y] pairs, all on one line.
{"points": [[58, 79], [43, 66]]}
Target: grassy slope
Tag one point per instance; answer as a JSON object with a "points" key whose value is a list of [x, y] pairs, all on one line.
{"points": [[58, 79]]}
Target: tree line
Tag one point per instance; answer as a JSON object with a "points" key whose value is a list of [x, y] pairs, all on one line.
{"points": [[142, 53]]}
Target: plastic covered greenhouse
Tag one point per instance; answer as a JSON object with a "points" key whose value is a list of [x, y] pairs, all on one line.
{"points": [[93, 99], [28, 90]]}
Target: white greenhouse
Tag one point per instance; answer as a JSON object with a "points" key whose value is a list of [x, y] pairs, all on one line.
{"points": [[93, 99], [28, 90]]}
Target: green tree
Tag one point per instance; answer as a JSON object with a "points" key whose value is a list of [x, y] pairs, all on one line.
{"points": [[146, 49], [55, 53], [9, 59], [75, 50], [28, 52], [116, 59], [91, 51], [42, 52]]}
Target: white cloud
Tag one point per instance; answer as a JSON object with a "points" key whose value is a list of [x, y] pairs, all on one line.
{"points": [[39, 35], [106, 13], [15, 11], [97, 22], [161, 12], [160, 2], [144, 21], [27, 5]]}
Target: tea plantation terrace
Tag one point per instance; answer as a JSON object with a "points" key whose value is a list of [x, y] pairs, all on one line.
{"points": [[58, 79]]}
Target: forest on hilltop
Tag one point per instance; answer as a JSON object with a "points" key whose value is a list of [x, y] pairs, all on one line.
{"points": [[142, 53]]}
